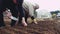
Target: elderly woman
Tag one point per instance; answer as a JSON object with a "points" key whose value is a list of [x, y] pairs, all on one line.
{"points": [[30, 10]]}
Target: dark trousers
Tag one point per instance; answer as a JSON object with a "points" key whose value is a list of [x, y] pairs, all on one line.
{"points": [[1, 14], [19, 8], [1, 19]]}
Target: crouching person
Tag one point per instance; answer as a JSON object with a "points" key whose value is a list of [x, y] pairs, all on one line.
{"points": [[30, 10]]}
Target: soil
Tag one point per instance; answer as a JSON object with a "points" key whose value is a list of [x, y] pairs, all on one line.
{"points": [[43, 27]]}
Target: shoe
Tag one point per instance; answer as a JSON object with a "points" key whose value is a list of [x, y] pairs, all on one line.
{"points": [[35, 21]]}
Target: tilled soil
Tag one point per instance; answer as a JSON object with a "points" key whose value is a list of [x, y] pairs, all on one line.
{"points": [[43, 27]]}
